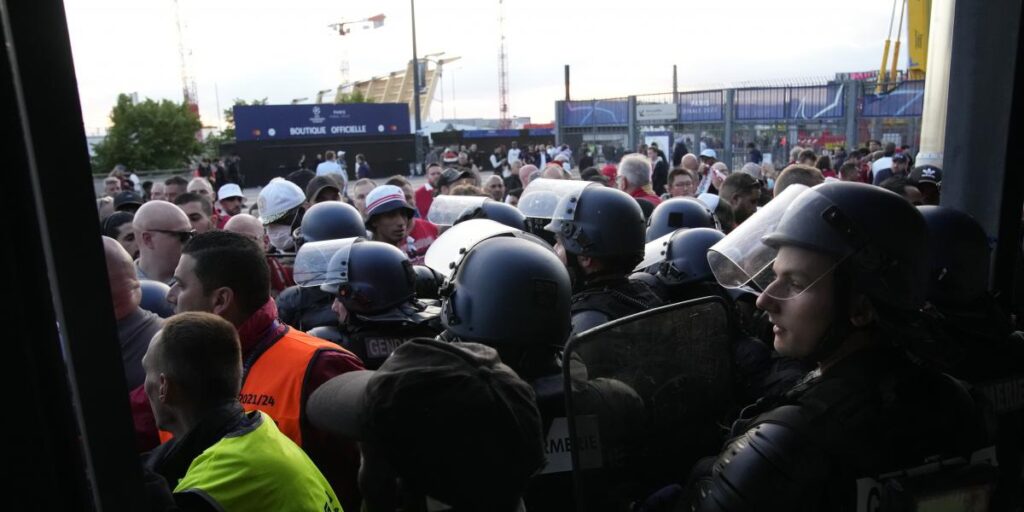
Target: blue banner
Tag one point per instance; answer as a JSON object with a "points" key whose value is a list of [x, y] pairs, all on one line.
{"points": [[272, 122], [482, 134], [760, 103], [541, 132], [906, 100], [594, 113], [701, 106], [820, 102]]}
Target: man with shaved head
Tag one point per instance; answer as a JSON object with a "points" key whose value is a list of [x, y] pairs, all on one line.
{"points": [[251, 227], [202, 187], [161, 228], [135, 326], [525, 172], [689, 161]]}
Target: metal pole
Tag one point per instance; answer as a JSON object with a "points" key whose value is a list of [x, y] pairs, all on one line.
{"points": [[729, 101], [567, 82], [851, 89], [416, 89], [675, 84]]}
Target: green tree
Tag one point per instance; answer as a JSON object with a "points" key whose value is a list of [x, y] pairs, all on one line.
{"points": [[148, 135], [228, 133], [355, 96]]}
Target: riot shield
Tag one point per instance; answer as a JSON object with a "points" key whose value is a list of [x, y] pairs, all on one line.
{"points": [[542, 195], [649, 394], [310, 269], [449, 248], [445, 210]]}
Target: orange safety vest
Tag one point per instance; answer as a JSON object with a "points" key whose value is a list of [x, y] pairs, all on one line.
{"points": [[274, 383]]}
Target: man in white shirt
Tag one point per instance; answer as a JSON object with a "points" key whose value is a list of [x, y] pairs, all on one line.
{"points": [[513, 153], [330, 165]]}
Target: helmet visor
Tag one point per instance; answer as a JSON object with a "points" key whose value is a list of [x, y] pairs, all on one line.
{"points": [[337, 267], [312, 260], [445, 210], [542, 197], [742, 257], [654, 252], [453, 244]]}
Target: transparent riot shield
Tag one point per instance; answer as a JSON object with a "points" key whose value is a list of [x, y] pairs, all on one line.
{"points": [[445, 210], [649, 393], [449, 248], [542, 195]]}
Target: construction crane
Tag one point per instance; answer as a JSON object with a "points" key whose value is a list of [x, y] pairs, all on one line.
{"points": [[188, 82], [344, 28], [918, 13], [504, 120]]}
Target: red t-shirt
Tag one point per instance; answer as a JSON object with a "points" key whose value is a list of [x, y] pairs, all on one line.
{"points": [[423, 233], [424, 198]]}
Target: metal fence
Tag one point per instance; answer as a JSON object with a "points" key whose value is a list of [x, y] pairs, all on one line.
{"points": [[776, 117]]}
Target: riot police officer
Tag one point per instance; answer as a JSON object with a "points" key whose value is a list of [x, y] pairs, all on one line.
{"points": [[512, 293], [844, 292], [600, 234], [971, 337], [374, 290], [678, 213], [304, 305], [679, 271]]}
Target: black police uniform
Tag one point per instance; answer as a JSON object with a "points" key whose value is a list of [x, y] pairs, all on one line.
{"points": [[607, 297], [872, 412], [305, 308], [374, 338]]}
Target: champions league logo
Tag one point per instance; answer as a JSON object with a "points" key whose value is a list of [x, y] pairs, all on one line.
{"points": [[316, 116]]}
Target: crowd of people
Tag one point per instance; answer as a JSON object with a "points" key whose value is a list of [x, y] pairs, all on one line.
{"points": [[371, 345]]}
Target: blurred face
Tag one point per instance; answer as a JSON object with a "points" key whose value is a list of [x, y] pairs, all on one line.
{"points": [[433, 173], [802, 320], [745, 205], [496, 189], [652, 154], [391, 227], [126, 237], [682, 186], [187, 293], [899, 167], [200, 221], [158, 192], [409, 194], [513, 200], [173, 191], [359, 197], [463, 159], [112, 188], [231, 205]]}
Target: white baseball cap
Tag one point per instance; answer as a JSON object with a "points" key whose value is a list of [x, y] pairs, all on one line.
{"points": [[230, 190], [278, 198], [709, 153]]}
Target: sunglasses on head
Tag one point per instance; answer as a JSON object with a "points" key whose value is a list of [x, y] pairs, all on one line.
{"points": [[184, 236]]}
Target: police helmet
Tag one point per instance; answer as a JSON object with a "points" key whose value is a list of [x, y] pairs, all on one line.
{"points": [[508, 291], [496, 211], [331, 220], [154, 298], [686, 256], [428, 282], [676, 213], [370, 277], [958, 263], [879, 233], [600, 222]]}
